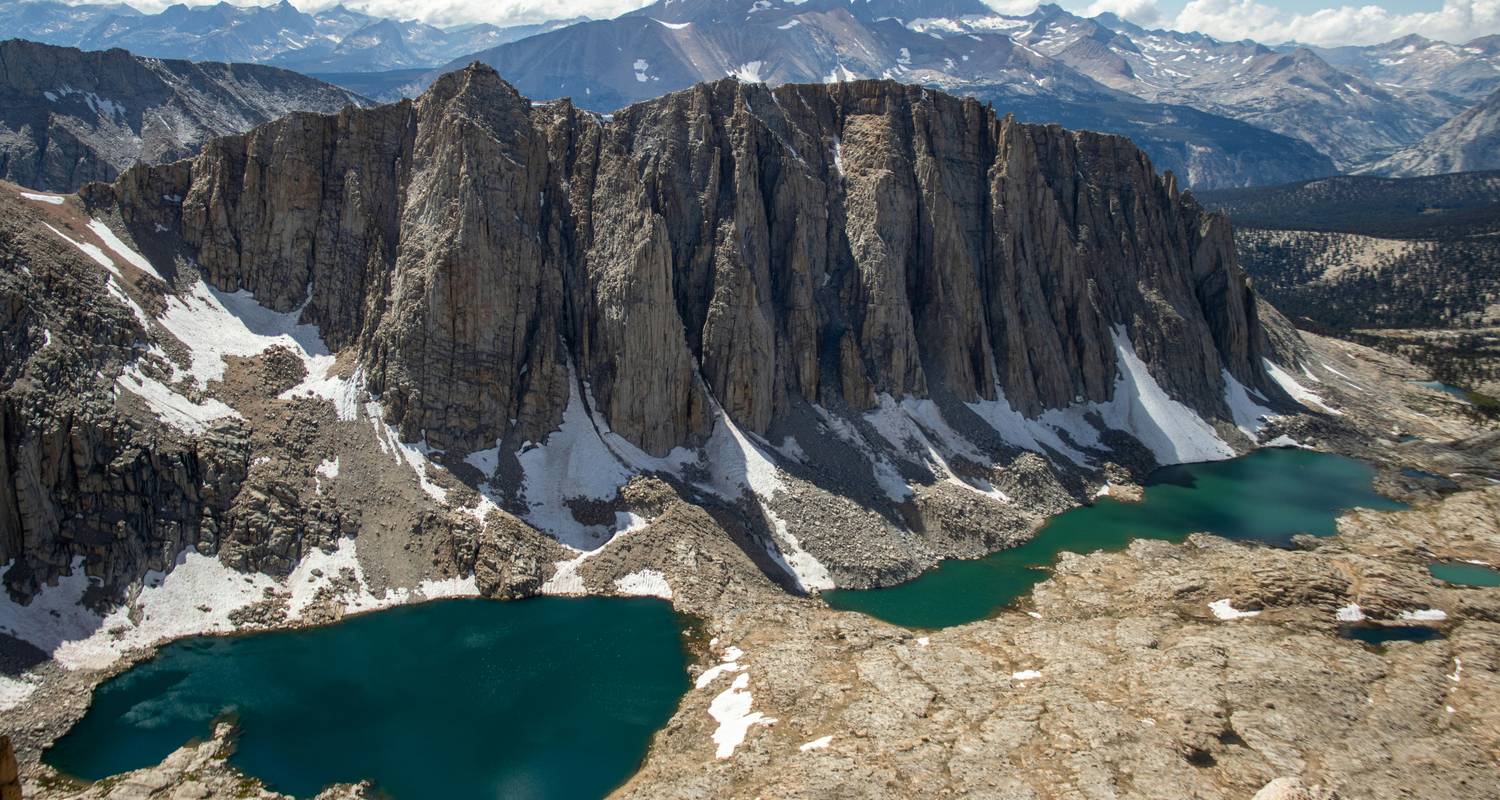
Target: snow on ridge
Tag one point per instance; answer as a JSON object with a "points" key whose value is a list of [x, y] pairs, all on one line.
{"points": [[748, 72], [53, 199], [676, 26], [114, 243]]}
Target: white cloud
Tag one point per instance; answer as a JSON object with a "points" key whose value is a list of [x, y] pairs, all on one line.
{"points": [[1141, 12], [1456, 21], [442, 12]]}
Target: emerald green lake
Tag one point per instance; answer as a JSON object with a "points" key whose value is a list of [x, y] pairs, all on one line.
{"points": [[541, 698], [1465, 574], [1267, 496]]}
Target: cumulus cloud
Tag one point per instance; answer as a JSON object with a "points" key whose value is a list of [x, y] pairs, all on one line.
{"points": [[1141, 12], [1456, 21]]}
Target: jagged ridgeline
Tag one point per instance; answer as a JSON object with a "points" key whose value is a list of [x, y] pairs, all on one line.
{"points": [[726, 246], [883, 290]]}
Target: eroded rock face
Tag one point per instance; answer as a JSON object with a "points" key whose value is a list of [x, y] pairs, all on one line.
{"points": [[728, 246], [82, 481]]}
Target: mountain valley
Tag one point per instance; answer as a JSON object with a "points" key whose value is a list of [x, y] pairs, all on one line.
{"points": [[888, 399]]}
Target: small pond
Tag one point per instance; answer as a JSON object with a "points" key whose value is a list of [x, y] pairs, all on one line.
{"points": [[1379, 635], [1465, 573]]}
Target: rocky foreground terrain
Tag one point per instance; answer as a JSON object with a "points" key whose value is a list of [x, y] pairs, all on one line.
{"points": [[730, 348], [1115, 678]]}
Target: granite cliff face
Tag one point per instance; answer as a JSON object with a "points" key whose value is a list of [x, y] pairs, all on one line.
{"points": [[841, 314], [725, 247]]}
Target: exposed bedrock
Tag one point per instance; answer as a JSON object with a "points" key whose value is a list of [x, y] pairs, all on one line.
{"points": [[725, 247]]}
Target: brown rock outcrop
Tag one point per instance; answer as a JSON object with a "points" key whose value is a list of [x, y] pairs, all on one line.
{"points": [[726, 246]]}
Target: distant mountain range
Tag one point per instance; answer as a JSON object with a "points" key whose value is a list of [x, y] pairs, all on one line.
{"points": [[1468, 142], [337, 39], [1050, 65], [1219, 114], [68, 117]]}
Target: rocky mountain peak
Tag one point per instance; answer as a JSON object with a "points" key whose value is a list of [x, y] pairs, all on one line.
{"points": [[726, 247]]}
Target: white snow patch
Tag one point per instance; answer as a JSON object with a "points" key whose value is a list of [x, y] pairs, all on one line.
{"points": [[1026, 675], [1015, 428], [676, 26], [113, 242], [788, 26], [1297, 391], [640, 66], [886, 475], [565, 579], [43, 198], [329, 468], [1174, 433], [197, 596], [171, 407], [13, 691], [1223, 609], [748, 72], [731, 709], [333, 568], [1350, 613], [1249, 416], [840, 74], [434, 589], [816, 744], [920, 422], [731, 656], [572, 462], [923, 641], [644, 583], [115, 285], [412, 454], [1284, 441], [1424, 615], [1458, 670]]}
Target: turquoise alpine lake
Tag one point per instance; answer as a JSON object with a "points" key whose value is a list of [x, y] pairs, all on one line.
{"points": [[541, 698], [1463, 573], [1447, 388], [1267, 496]]}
